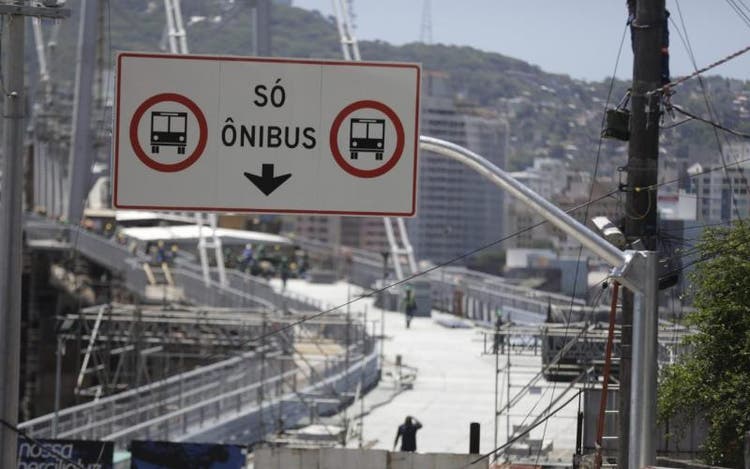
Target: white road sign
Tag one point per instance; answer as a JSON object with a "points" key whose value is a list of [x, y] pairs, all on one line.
{"points": [[238, 134]]}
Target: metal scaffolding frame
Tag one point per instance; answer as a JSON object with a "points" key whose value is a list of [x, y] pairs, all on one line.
{"points": [[139, 362], [573, 353]]}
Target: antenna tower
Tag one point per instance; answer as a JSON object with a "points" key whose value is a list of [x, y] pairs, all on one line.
{"points": [[425, 34]]}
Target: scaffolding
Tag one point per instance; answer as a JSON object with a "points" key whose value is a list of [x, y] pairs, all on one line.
{"points": [[572, 359], [176, 371]]}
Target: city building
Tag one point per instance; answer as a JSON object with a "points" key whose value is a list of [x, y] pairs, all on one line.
{"points": [[723, 195], [458, 211]]}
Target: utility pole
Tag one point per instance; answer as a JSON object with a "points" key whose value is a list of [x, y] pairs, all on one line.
{"points": [[640, 225], [11, 216]]}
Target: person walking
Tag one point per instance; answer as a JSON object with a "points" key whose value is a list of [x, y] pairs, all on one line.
{"points": [[284, 272], [498, 343], [246, 259], [408, 434], [410, 305]]}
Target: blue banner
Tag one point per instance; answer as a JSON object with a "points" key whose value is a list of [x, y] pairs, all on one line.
{"points": [[167, 455], [64, 454]]}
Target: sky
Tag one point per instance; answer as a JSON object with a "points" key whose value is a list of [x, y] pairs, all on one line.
{"points": [[580, 38]]}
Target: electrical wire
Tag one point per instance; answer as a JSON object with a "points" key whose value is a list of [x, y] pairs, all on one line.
{"points": [[691, 176], [523, 433], [707, 121], [397, 283], [448, 262], [413, 276], [709, 106], [705, 257], [744, 5], [377, 291], [648, 207], [421, 273], [676, 124], [743, 16], [700, 227], [470, 253], [585, 217], [679, 81]]}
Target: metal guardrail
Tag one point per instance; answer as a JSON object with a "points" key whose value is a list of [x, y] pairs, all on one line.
{"points": [[204, 399], [109, 415], [243, 290], [483, 294]]}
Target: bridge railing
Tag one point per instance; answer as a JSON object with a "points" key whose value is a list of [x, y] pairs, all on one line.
{"points": [[243, 290], [199, 400], [101, 417]]}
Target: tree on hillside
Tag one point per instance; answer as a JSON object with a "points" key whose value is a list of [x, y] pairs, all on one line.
{"points": [[712, 380]]}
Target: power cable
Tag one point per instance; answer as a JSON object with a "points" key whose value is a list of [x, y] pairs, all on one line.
{"points": [[676, 124], [522, 434], [706, 121], [427, 271], [679, 81], [541, 397], [709, 106], [691, 176], [457, 258], [411, 277], [744, 5], [705, 257], [453, 260], [743, 16], [700, 227], [585, 217], [414, 276], [450, 261]]}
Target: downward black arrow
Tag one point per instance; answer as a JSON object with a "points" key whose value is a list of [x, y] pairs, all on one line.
{"points": [[267, 183]]}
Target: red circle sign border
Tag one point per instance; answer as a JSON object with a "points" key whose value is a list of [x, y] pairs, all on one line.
{"points": [[333, 139], [202, 127]]}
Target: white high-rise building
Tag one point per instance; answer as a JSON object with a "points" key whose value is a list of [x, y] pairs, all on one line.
{"points": [[458, 210]]}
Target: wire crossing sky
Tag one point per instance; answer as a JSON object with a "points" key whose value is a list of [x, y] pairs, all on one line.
{"points": [[575, 38]]}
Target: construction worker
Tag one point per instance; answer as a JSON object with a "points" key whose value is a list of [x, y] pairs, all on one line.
{"points": [[284, 267], [499, 338], [410, 305], [161, 252], [173, 253], [246, 258]]}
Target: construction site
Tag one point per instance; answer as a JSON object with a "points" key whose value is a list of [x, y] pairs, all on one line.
{"points": [[154, 336]]}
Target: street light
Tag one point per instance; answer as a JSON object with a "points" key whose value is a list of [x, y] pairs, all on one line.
{"points": [[610, 232]]}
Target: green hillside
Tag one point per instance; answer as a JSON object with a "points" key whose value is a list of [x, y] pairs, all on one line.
{"points": [[549, 114]]}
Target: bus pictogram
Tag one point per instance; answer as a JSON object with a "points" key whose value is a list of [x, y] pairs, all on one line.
{"points": [[366, 136], [168, 129]]}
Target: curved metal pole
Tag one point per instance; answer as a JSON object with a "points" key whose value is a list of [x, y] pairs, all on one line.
{"points": [[550, 212], [637, 270]]}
